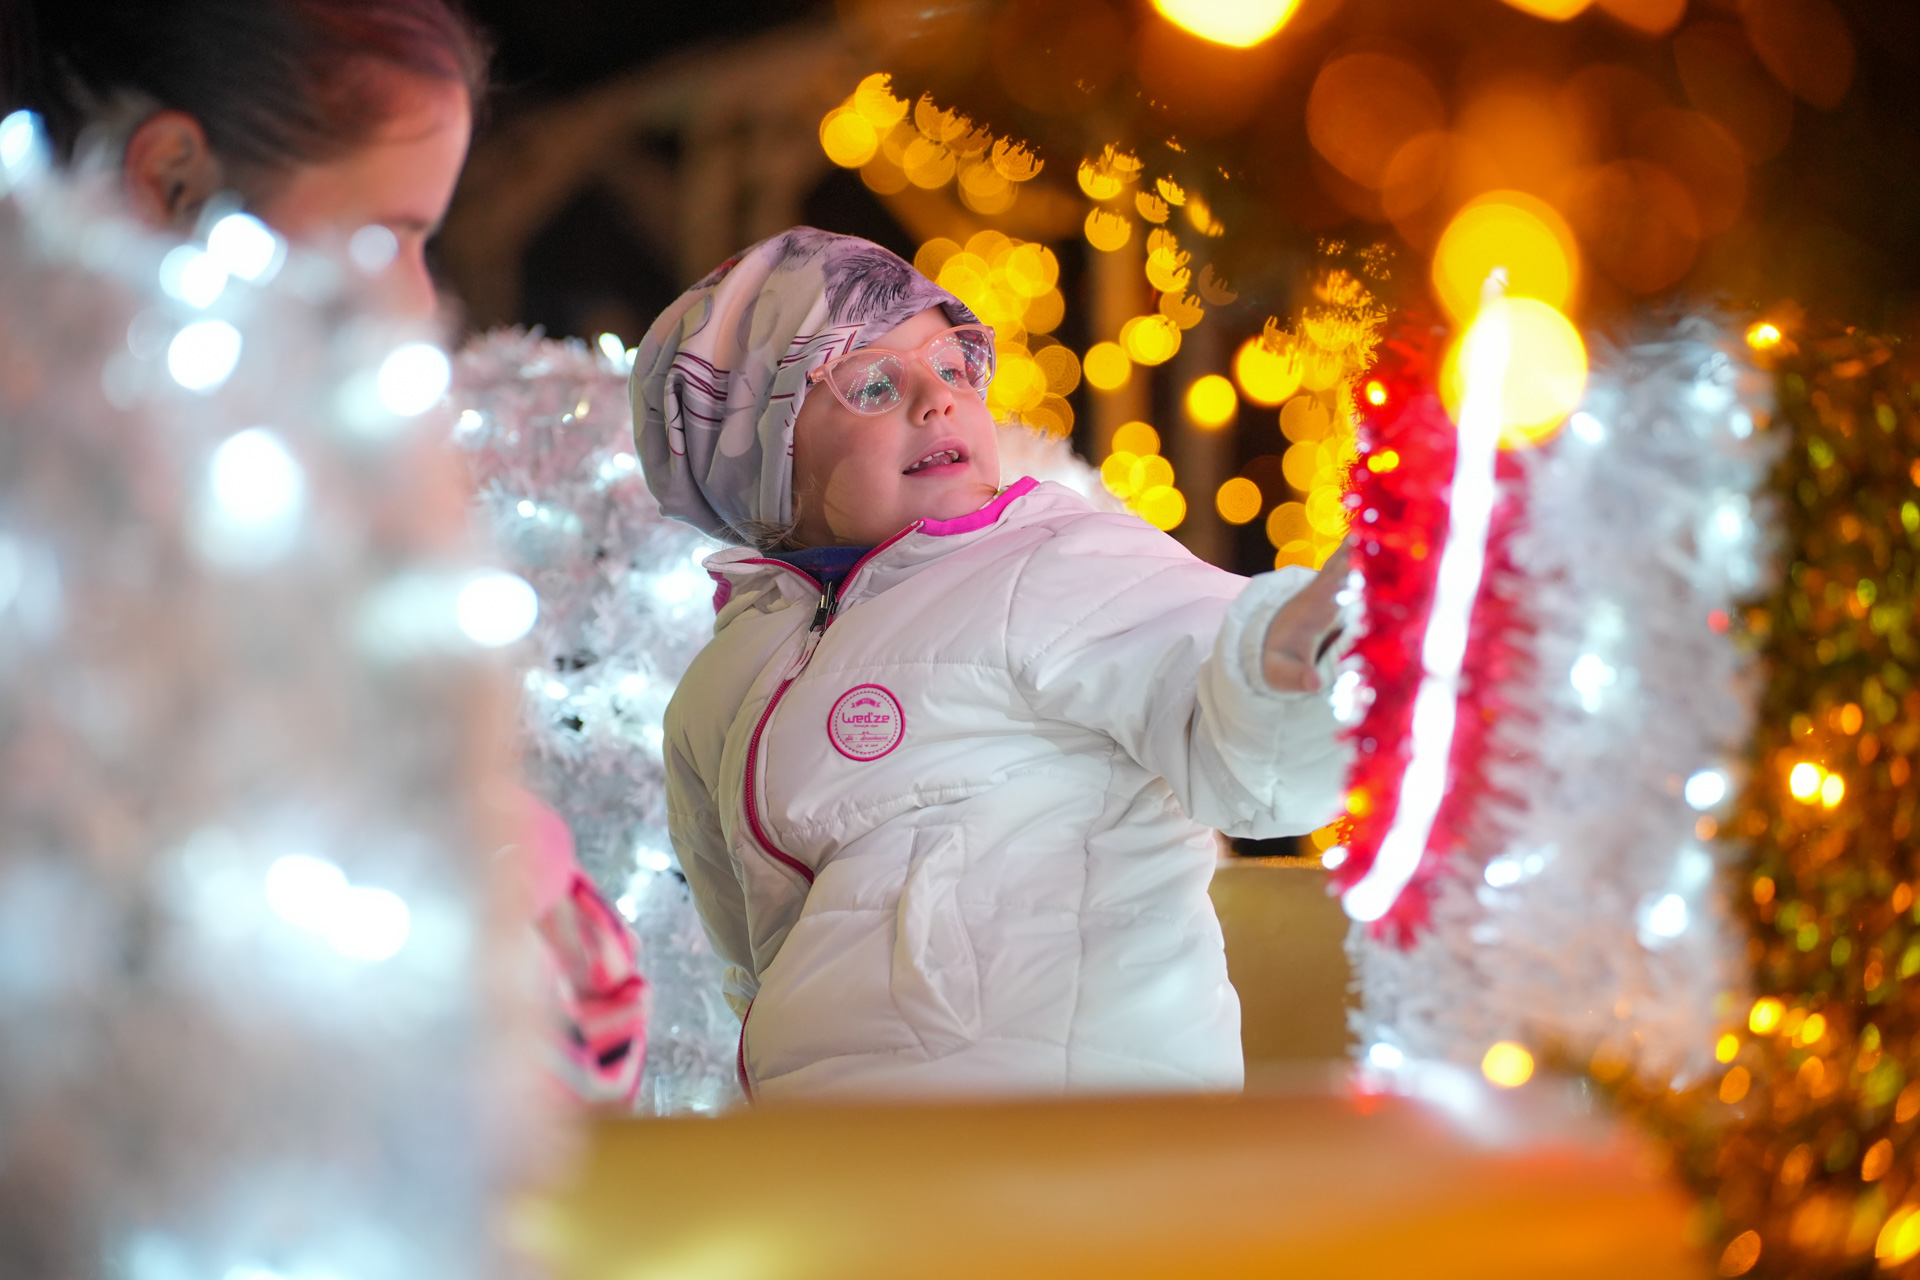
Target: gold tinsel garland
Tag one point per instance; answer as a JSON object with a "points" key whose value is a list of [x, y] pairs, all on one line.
{"points": [[1807, 1146]]}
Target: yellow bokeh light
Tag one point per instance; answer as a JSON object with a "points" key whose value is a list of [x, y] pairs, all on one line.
{"points": [[1107, 230], [1211, 401], [1765, 1015], [1150, 472], [1182, 309], [1811, 1031], [1117, 473], [1726, 1047], [1552, 10], [1288, 523], [873, 98], [1106, 366], [1240, 24], [1151, 207], [1507, 1064], [1763, 336], [1031, 269], [1099, 182], [1060, 367], [1162, 506], [1045, 312], [1268, 373], [1150, 340], [1546, 371], [1327, 514], [1899, 1240], [1136, 438], [1734, 1085], [1804, 781], [848, 138], [1167, 271], [934, 255], [1508, 230], [928, 164], [1832, 789], [1305, 419], [1376, 394], [1238, 501], [1200, 214]]}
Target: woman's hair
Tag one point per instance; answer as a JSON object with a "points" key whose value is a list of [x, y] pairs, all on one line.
{"points": [[274, 83]]}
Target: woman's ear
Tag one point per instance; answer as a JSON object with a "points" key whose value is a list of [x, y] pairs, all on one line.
{"points": [[170, 170]]}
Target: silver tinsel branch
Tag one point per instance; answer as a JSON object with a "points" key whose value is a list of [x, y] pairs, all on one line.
{"points": [[1599, 924], [624, 605], [547, 430], [259, 1014]]}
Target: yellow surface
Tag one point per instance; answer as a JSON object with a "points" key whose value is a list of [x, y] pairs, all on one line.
{"points": [[1286, 959], [1303, 1179], [1119, 1189]]}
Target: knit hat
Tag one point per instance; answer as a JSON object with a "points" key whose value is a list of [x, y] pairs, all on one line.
{"points": [[719, 378]]}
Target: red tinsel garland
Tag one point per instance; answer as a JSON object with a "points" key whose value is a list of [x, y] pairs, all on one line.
{"points": [[1398, 495]]}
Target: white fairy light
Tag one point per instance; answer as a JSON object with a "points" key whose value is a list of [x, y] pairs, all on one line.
{"points": [[313, 895], [23, 149], [1456, 586], [255, 500], [243, 246], [1587, 427], [1386, 1057], [680, 585], [1706, 789], [192, 275], [1666, 917], [373, 248], [1333, 856], [1591, 676], [202, 356], [413, 378], [496, 608], [1503, 871], [612, 348]]}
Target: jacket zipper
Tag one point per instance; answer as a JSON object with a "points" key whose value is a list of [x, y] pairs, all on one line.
{"points": [[823, 616]]}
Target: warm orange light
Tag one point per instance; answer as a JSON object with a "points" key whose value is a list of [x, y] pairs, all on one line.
{"points": [[1766, 1015], [1514, 232], [1832, 789], [1727, 1048], [1239, 23], [1376, 394], [1546, 371], [1211, 401], [1507, 1064], [1106, 366], [1151, 339], [1552, 10], [1804, 781], [848, 138], [1136, 438], [1238, 501], [1162, 506], [1266, 375], [1763, 336]]}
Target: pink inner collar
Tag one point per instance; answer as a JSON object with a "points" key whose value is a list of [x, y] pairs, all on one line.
{"points": [[983, 517]]}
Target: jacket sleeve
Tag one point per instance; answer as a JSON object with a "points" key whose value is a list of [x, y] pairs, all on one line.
{"points": [[693, 824], [1161, 652]]}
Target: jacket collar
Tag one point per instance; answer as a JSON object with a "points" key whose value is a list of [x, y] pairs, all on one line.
{"points": [[744, 576]]}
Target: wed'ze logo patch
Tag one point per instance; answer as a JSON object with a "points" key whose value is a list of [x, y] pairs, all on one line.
{"points": [[866, 722]]}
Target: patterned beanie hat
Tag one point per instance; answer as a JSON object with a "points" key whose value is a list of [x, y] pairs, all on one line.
{"points": [[719, 378]]}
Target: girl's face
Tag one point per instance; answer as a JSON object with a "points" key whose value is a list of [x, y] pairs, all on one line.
{"points": [[855, 479], [401, 179]]}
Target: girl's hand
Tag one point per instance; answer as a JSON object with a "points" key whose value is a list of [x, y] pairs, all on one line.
{"points": [[1300, 629]]}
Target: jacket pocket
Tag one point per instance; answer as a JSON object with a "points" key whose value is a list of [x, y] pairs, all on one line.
{"points": [[935, 980]]}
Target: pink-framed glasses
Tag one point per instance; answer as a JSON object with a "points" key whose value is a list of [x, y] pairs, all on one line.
{"points": [[873, 380]]}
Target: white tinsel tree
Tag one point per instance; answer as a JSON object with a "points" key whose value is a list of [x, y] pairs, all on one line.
{"points": [[1599, 924], [258, 1011]]}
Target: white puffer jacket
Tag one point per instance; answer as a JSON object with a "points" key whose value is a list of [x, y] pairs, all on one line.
{"points": [[952, 833]]}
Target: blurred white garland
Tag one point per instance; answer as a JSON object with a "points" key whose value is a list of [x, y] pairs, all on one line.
{"points": [[1599, 924], [259, 1005]]}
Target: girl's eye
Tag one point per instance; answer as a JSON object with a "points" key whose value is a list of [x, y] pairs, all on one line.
{"points": [[875, 391]]}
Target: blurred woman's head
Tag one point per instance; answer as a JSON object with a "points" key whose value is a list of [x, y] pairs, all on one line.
{"points": [[324, 116]]}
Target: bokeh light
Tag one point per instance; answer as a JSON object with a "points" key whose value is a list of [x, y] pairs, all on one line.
{"points": [[1546, 371], [1765, 1015], [1163, 507], [1552, 10], [1106, 366], [1138, 438], [1364, 107], [1150, 340], [1763, 336], [1514, 232], [1268, 369], [1238, 500], [1508, 1064], [1238, 23], [1211, 401]]}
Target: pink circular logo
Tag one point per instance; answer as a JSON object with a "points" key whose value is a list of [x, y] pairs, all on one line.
{"points": [[866, 722]]}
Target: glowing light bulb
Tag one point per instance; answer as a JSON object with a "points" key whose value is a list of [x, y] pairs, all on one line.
{"points": [[1386, 1057], [202, 356], [1766, 1015], [1832, 789], [1240, 24], [256, 497], [1763, 336], [1211, 401], [496, 608], [1804, 781], [413, 378], [1706, 789], [1507, 1064], [244, 247]]}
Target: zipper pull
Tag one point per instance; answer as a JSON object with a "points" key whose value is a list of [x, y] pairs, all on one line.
{"points": [[829, 601]]}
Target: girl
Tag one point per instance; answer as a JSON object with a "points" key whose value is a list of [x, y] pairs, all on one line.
{"points": [[943, 780], [323, 116]]}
